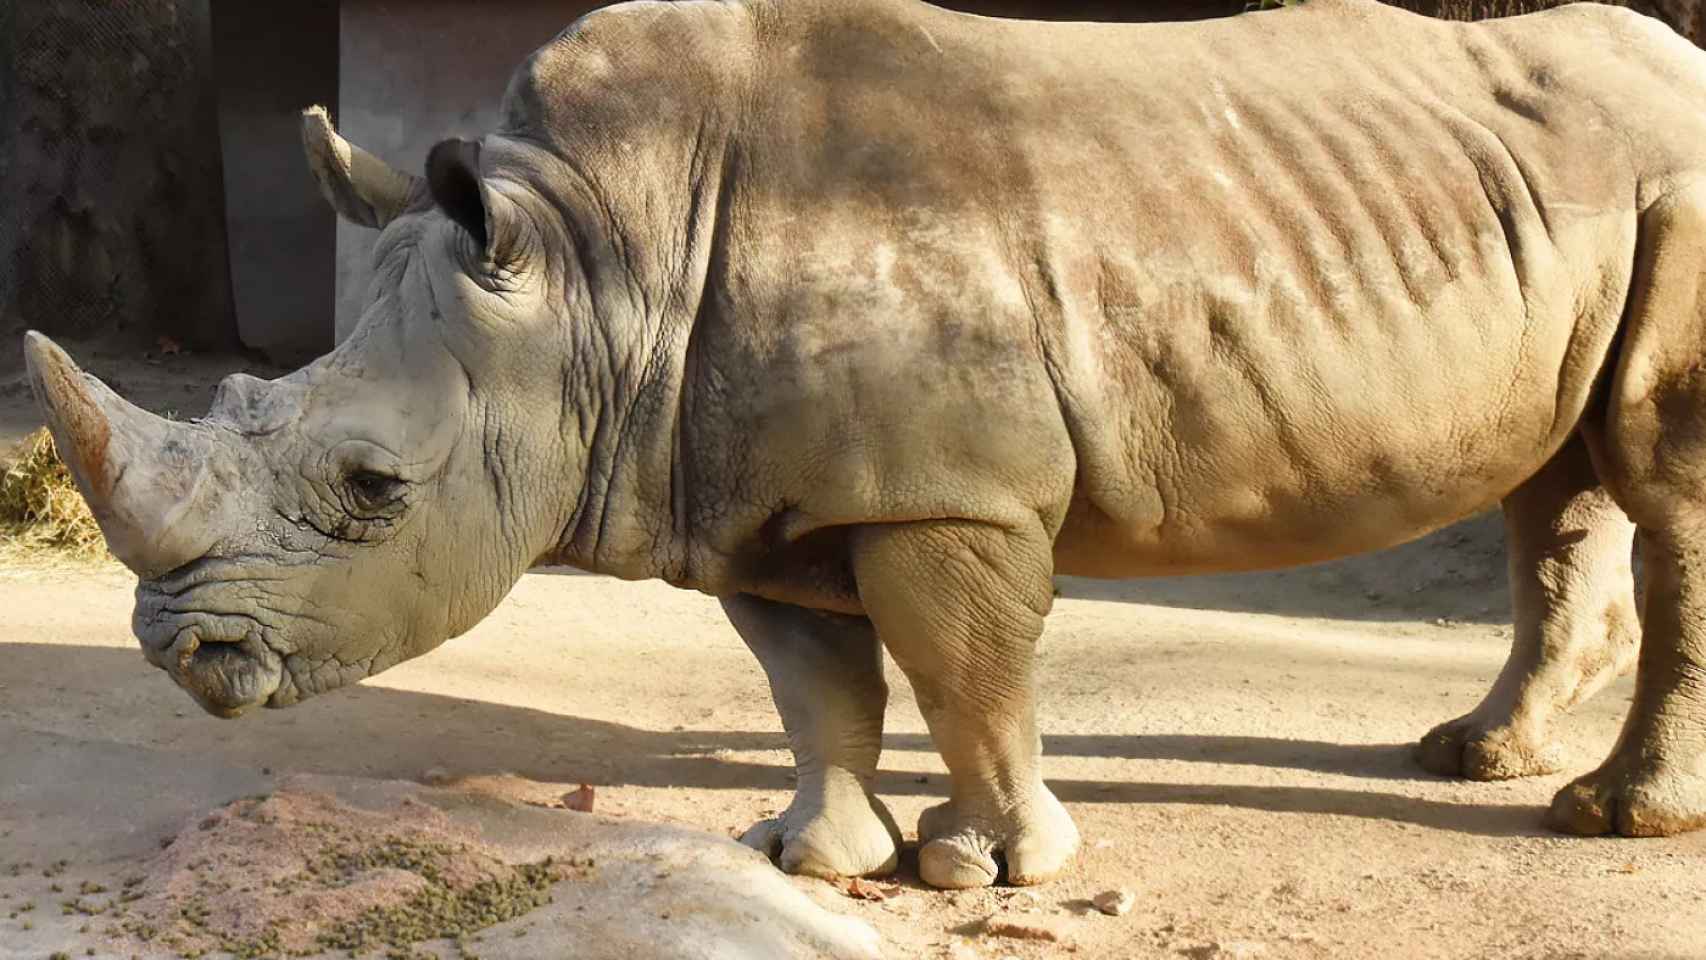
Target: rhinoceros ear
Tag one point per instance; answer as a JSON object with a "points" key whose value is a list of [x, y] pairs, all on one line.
{"points": [[500, 229], [453, 176], [362, 188]]}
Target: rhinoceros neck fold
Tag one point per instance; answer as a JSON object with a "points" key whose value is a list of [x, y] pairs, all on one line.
{"points": [[626, 413], [627, 518]]}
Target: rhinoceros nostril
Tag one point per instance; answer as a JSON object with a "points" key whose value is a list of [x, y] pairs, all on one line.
{"points": [[224, 675], [191, 647], [158, 646], [183, 649]]}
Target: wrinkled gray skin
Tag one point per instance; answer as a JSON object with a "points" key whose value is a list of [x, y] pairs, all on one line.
{"points": [[868, 318]]}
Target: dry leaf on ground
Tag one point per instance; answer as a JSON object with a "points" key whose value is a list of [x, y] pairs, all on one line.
{"points": [[861, 889]]}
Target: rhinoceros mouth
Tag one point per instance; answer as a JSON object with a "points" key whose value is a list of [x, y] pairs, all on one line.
{"points": [[226, 677], [222, 660]]}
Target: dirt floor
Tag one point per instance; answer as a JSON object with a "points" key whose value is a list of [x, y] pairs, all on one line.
{"points": [[1234, 749]]}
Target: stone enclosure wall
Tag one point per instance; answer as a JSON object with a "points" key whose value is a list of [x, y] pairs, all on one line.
{"points": [[112, 218]]}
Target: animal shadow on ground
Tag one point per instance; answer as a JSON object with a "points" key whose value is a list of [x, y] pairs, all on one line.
{"points": [[373, 731]]}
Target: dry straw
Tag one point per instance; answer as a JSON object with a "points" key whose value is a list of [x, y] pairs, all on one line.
{"points": [[42, 516]]}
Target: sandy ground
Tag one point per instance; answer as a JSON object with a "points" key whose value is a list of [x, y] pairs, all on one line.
{"points": [[1235, 750]]}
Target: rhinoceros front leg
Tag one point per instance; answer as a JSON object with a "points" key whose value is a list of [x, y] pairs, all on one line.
{"points": [[960, 606], [826, 676], [1572, 594]]}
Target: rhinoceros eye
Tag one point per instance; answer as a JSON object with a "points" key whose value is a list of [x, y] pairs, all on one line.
{"points": [[372, 492]]}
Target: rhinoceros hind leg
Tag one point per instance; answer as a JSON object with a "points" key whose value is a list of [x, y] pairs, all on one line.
{"points": [[1654, 782], [1652, 454], [960, 606], [826, 676], [1572, 594]]}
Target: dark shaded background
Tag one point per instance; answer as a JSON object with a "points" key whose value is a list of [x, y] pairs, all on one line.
{"points": [[112, 217]]}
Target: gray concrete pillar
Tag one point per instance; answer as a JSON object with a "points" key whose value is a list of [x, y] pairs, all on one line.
{"points": [[417, 71], [270, 61]]}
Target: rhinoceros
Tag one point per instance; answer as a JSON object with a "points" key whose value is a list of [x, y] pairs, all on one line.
{"points": [[868, 318]]}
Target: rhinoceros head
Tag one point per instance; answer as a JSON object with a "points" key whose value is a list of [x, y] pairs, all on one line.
{"points": [[313, 530]]}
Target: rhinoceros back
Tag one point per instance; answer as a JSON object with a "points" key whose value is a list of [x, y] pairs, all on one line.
{"points": [[1324, 276]]}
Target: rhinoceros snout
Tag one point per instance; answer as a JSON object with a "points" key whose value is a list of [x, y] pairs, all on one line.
{"points": [[226, 677], [220, 660]]}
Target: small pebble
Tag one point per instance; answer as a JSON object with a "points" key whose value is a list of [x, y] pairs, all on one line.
{"points": [[1114, 903]]}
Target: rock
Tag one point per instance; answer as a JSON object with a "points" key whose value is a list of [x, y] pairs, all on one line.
{"points": [[626, 890], [1114, 903], [579, 800], [702, 895]]}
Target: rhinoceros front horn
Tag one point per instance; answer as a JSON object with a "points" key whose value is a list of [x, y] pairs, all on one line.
{"points": [[141, 474]]}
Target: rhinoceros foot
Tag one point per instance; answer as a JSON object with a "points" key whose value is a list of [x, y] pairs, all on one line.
{"points": [[959, 844], [1631, 797], [1476, 748], [839, 834]]}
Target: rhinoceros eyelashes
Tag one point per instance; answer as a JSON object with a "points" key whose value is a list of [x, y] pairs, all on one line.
{"points": [[374, 494], [453, 176]]}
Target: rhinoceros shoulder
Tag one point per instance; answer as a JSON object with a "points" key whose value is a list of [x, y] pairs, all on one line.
{"points": [[633, 63]]}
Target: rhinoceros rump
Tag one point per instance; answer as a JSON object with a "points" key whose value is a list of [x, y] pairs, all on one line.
{"points": [[867, 318]]}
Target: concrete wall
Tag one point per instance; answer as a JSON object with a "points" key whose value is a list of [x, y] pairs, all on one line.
{"points": [[270, 61], [417, 71], [110, 217]]}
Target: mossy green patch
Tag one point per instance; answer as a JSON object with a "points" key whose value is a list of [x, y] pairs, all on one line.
{"points": [[442, 911]]}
